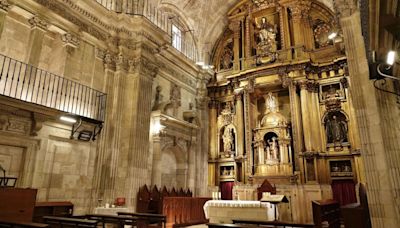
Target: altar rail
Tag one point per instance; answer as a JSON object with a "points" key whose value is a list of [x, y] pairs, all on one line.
{"points": [[157, 17], [30, 84]]}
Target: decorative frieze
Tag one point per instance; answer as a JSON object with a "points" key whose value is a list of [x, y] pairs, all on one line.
{"points": [[37, 22]]}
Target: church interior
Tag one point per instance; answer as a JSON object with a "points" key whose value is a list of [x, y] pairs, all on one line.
{"points": [[200, 113]]}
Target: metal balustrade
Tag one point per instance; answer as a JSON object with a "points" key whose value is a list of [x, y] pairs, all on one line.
{"points": [[160, 19], [28, 83]]}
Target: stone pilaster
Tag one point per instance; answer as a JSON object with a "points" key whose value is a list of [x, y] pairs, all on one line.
{"points": [[4, 7], [36, 37], [213, 114], [305, 114], [374, 111]]}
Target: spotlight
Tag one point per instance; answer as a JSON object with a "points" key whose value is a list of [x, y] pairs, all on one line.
{"points": [[390, 58], [68, 119], [332, 35]]}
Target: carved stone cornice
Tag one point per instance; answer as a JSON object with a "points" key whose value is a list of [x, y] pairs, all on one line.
{"points": [[344, 8], [4, 5], [37, 22], [300, 9], [71, 40]]}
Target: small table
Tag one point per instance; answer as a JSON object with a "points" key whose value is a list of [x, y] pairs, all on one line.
{"points": [[111, 210]]}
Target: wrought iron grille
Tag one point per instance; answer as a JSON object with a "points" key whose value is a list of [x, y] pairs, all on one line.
{"points": [[28, 83]]}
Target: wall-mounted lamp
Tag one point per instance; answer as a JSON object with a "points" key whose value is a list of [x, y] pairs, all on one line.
{"points": [[380, 72], [84, 134], [387, 70]]}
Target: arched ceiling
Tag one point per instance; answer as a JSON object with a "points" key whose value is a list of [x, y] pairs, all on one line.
{"points": [[206, 19]]}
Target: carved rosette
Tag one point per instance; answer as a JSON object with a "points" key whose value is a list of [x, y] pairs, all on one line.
{"points": [[37, 22], [4, 5]]}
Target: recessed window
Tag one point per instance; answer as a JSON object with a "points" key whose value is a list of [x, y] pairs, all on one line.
{"points": [[176, 38]]}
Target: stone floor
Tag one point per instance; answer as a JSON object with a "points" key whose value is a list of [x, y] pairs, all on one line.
{"points": [[199, 226]]}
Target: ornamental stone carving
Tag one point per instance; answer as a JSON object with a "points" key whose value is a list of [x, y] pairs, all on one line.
{"points": [[4, 5], [300, 9], [259, 3], [70, 40], [344, 8], [37, 22]]}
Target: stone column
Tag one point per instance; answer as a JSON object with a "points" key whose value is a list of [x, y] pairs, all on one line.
{"points": [[305, 114], [239, 124], [297, 130], [4, 7], [314, 116], [213, 109], [38, 30], [377, 116], [235, 27]]}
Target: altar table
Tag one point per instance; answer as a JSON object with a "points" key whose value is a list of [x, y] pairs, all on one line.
{"points": [[224, 211]]}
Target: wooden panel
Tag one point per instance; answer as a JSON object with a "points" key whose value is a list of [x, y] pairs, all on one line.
{"points": [[184, 210], [16, 204]]}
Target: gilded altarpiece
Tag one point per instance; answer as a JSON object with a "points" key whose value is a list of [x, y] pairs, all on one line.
{"points": [[282, 82]]}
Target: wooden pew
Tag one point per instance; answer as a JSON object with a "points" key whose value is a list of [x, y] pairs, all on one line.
{"points": [[272, 223], [13, 224], [146, 219], [118, 220], [54, 221]]}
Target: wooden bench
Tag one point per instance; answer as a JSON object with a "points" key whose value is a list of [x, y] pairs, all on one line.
{"points": [[22, 224], [272, 223], [145, 219], [119, 220], [68, 222]]}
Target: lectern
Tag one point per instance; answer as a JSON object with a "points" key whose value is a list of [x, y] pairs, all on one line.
{"points": [[274, 199]]}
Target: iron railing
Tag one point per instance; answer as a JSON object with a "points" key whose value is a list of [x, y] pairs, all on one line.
{"points": [[28, 83], [157, 17]]}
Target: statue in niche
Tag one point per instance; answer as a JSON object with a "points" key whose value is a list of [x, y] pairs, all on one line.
{"points": [[266, 39], [158, 98], [336, 130], [271, 103], [273, 148], [228, 140], [227, 57], [175, 98]]}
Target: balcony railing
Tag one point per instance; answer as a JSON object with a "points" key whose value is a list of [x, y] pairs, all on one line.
{"points": [[160, 19], [27, 83]]}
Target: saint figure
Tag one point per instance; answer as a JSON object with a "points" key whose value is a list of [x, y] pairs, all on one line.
{"points": [[227, 139], [336, 130], [271, 103]]}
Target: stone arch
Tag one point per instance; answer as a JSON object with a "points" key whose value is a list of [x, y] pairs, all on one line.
{"points": [[173, 166]]}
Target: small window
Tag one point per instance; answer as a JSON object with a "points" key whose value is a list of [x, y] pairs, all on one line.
{"points": [[176, 38]]}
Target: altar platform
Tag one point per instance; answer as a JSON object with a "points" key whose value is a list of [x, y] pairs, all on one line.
{"points": [[224, 211]]}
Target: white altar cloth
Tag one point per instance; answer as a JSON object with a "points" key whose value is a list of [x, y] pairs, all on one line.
{"points": [[224, 211], [110, 210]]}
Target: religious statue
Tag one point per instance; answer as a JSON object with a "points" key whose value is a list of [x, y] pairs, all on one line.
{"points": [[336, 130], [158, 98], [274, 148], [266, 38], [227, 58], [271, 103], [228, 140]]}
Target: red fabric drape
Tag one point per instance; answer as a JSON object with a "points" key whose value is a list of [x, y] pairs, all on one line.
{"points": [[344, 191], [226, 190]]}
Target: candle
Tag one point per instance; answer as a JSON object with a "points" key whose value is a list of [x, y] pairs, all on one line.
{"points": [[219, 195]]}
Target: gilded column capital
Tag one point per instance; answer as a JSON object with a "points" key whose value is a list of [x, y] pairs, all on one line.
{"points": [[309, 85], [300, 9], [4, 5], [344, 8], [234, 26], [37, 22]]}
